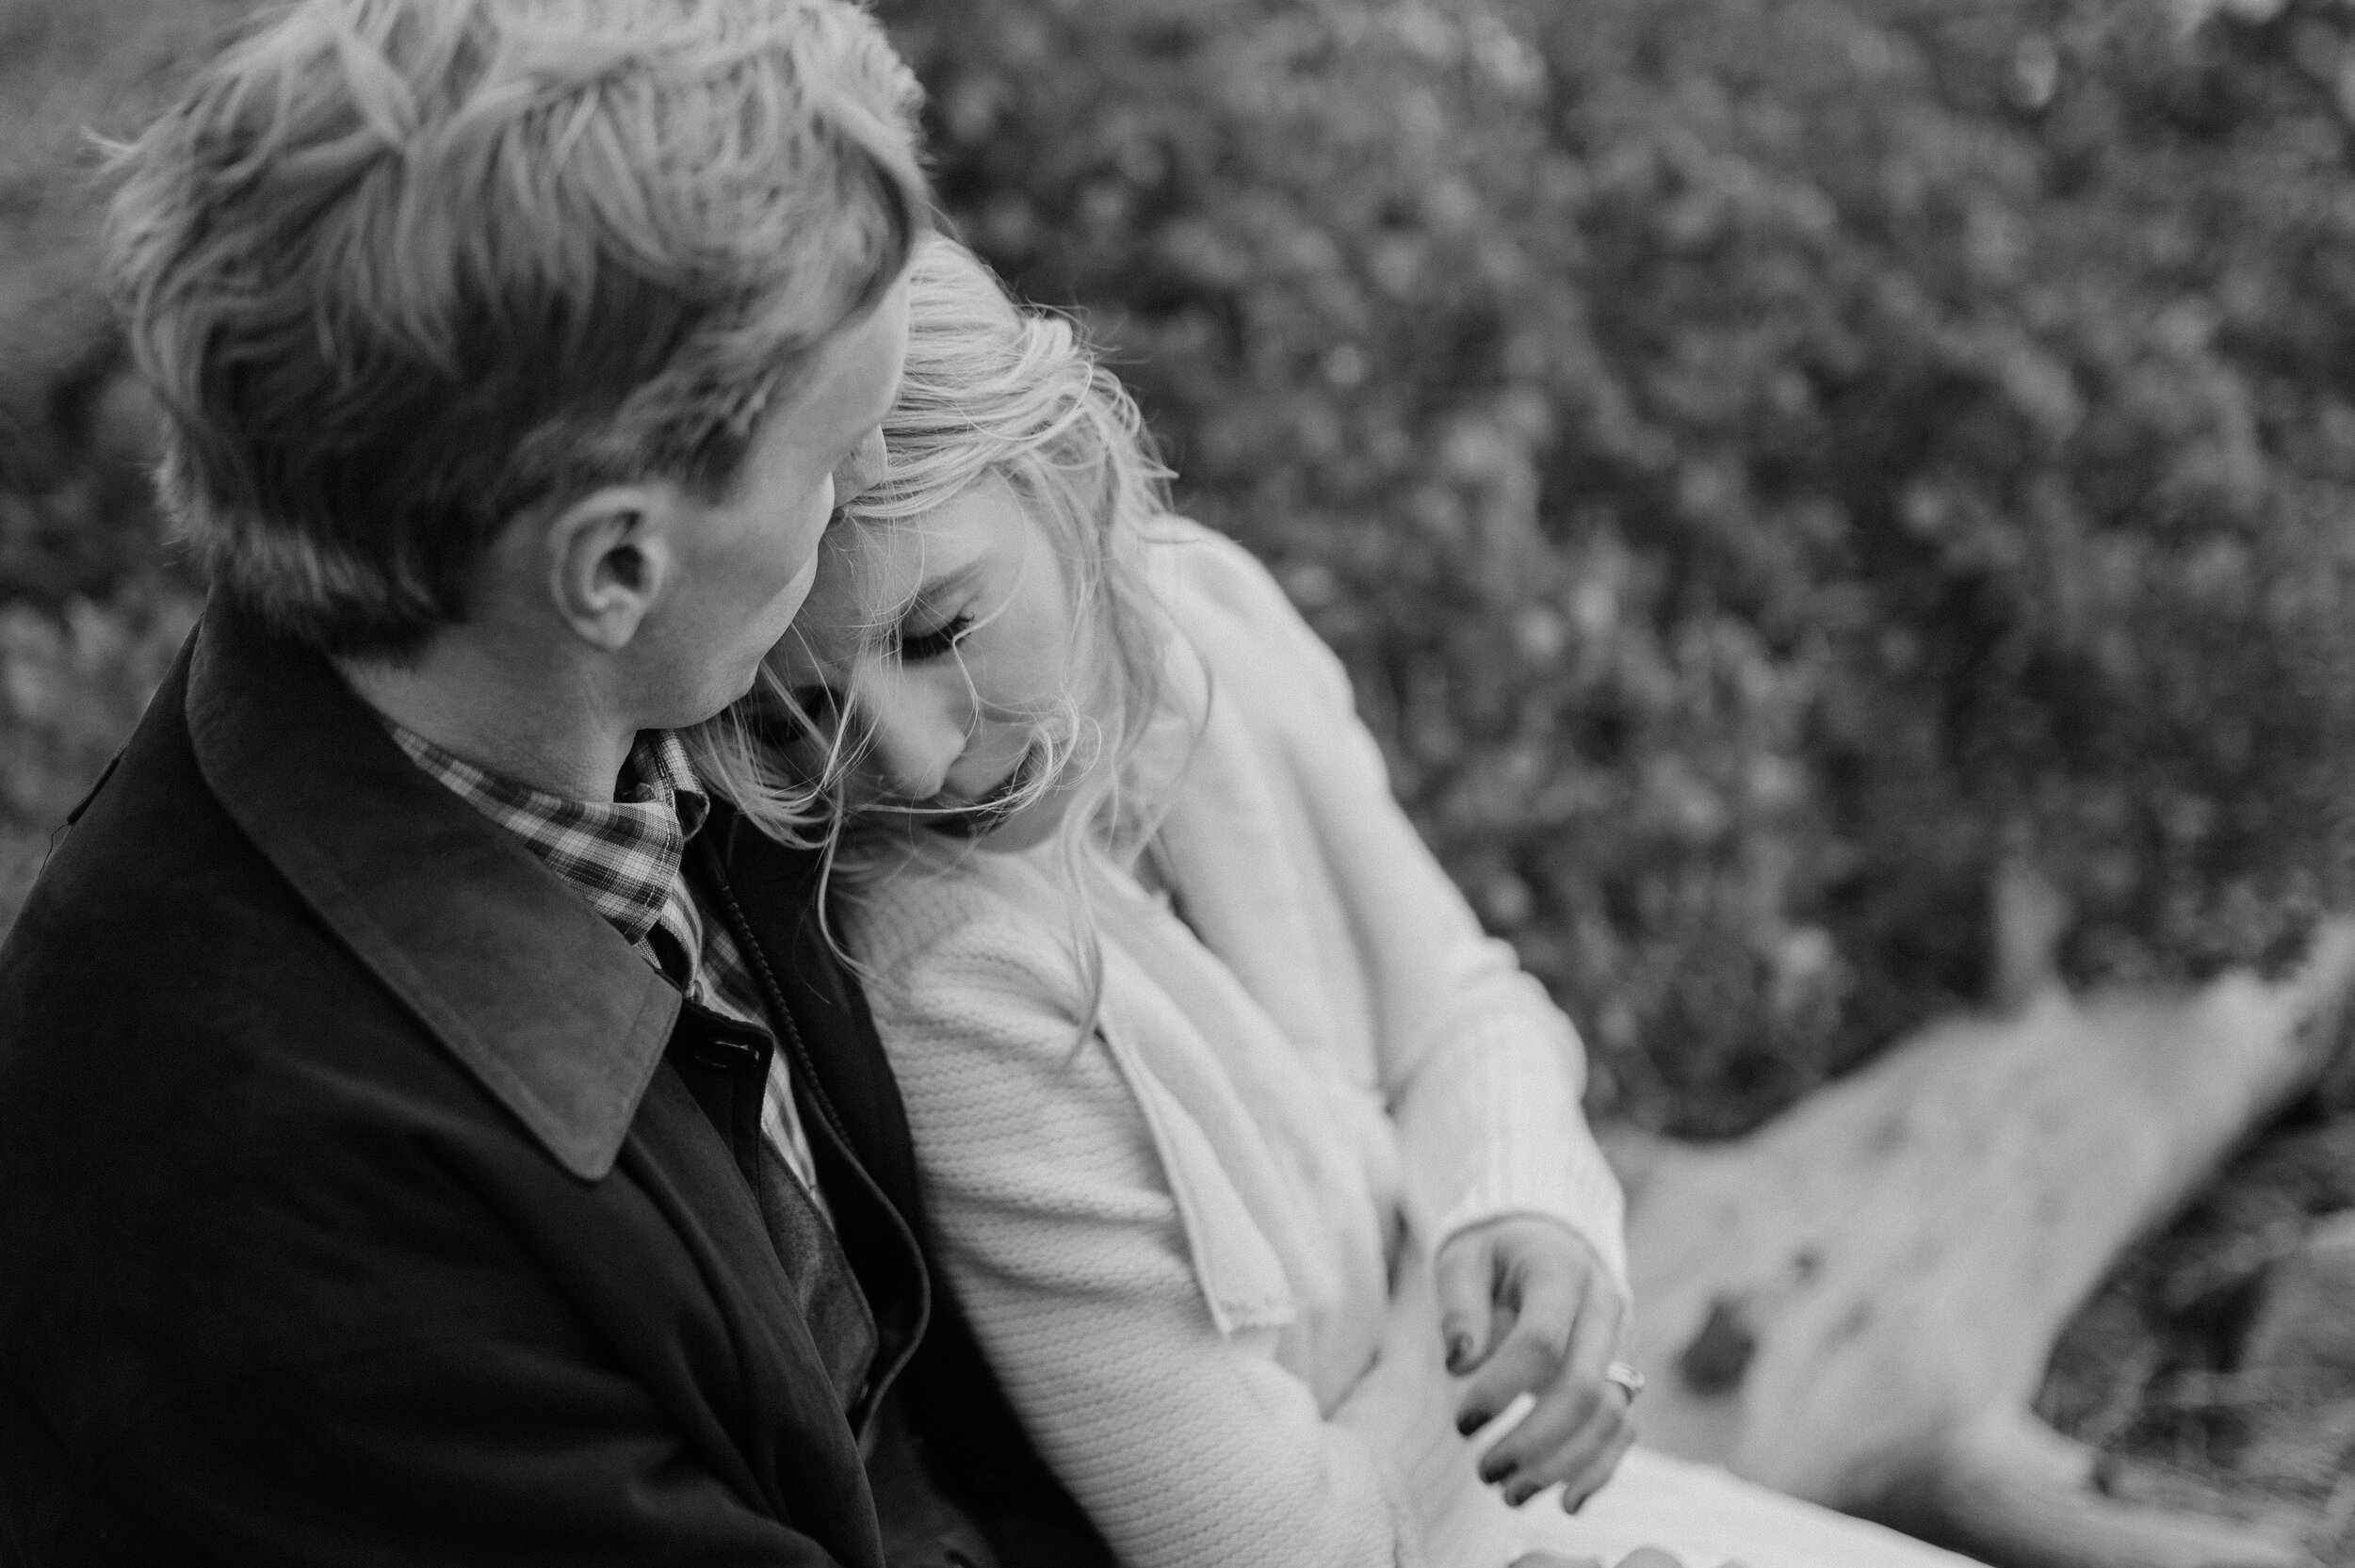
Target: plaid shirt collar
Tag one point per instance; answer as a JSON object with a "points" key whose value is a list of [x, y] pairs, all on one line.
{"points": [[622, 855]]}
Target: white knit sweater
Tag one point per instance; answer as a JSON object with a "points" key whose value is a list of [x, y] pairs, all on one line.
{"points": [[1350, 1034], [1193, 1241]]}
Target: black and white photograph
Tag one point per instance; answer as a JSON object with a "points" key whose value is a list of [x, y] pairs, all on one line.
{"points": [[1177, 783]]}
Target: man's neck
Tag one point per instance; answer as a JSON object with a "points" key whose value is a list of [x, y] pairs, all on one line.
{"points": [[548, 727]]}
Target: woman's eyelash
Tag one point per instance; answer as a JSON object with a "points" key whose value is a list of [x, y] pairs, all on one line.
{"points": [[920, 646]]}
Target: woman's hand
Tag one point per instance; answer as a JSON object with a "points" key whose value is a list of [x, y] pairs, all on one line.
{"points": [[1528, 1307]]}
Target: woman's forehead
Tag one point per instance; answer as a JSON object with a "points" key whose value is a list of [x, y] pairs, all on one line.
{"points": [[897, 562], [867, 580], [839, 616], [870, 574]]}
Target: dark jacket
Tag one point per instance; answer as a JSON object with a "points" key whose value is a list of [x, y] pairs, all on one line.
{"points": [[364, 1199]]}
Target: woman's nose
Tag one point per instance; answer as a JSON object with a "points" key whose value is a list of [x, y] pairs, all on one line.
{"points": [[914, 734]]}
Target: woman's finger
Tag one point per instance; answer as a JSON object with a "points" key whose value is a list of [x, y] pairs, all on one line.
{"points": [[1549, 1297], [1577, 1412], [1586, 1452], [1464, 1279], [1578, 1490]]}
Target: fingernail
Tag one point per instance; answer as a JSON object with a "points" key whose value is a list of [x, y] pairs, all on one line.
{"points": [[1470, 1422], [1521, 1495], [1570, 1507], [1458, 1351], [1493, 1474]]}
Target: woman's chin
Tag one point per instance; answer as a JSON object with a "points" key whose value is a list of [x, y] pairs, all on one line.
{"points": [[1027, 829]]}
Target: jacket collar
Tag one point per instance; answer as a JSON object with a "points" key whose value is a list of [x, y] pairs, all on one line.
{"points": [[535, 993]]}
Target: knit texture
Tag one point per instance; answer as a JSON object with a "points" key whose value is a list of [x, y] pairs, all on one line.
{"points": [[1061, 1235], [1095, 1242]]}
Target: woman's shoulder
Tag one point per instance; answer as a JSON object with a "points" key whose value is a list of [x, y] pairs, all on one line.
{"points": [[958, 916], [1255, 645], [1203, 574]]}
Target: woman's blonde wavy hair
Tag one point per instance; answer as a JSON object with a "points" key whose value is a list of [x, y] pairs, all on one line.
{"points": [[993, 389]]}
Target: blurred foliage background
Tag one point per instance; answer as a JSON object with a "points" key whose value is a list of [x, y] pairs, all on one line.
{"points": [[1767, 462], [1770, 465]]}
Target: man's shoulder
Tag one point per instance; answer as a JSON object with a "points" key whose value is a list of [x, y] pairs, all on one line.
{"points": [[154, 907], [169, 1001], [201, 1090]]}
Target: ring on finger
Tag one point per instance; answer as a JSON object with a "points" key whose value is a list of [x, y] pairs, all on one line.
{"points": [[1626, 1376]]}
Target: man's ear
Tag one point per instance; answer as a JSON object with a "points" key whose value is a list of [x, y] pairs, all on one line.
{"points": [[611, 557]]}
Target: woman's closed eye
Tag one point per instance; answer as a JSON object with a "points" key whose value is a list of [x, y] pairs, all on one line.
{"points": [[917, 647]]}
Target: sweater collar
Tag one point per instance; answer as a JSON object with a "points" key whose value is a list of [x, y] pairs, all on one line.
{"points": [[540, 998]]}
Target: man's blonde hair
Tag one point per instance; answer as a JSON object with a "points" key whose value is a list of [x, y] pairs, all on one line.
{"points": [[401, 271]]}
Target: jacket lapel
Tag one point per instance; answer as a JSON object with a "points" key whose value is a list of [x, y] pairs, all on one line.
{"points": [[777, 890], [539, 998], [783, 1413], [849, 1102]]}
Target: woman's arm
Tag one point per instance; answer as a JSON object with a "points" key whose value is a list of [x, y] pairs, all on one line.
{"points": [[1060, 1236], [1482, 1070]]}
